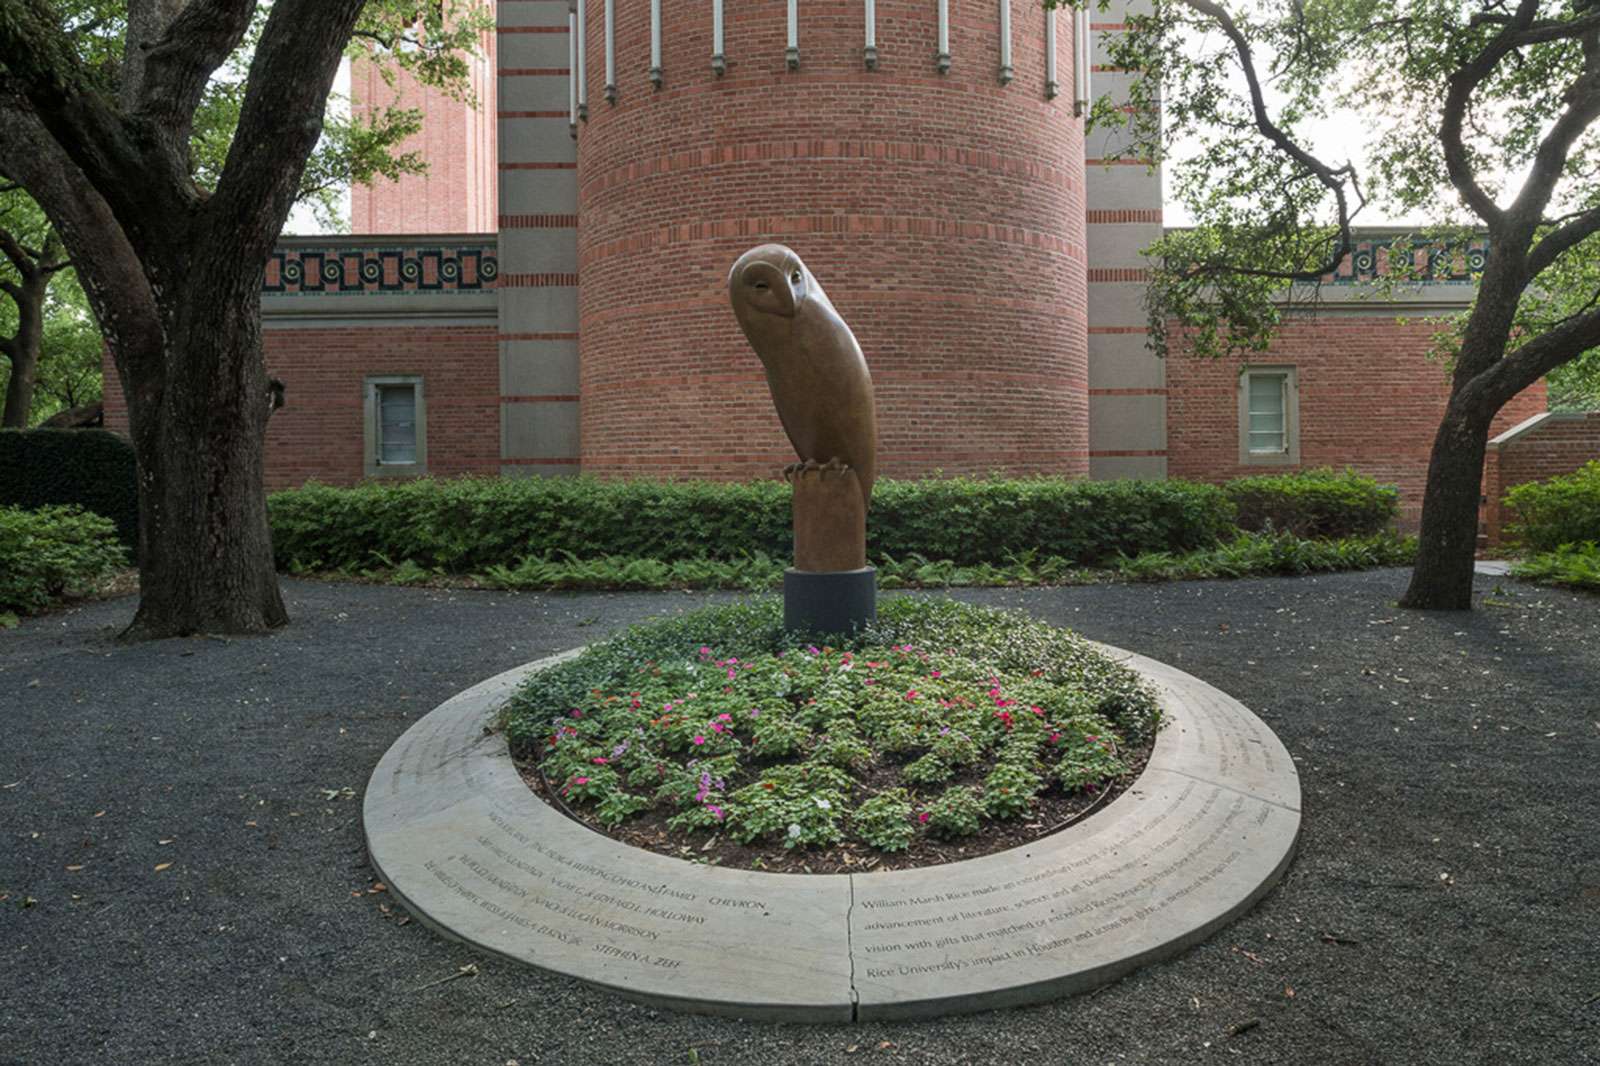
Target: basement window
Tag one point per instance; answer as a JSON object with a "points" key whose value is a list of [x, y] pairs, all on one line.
{"points": [[396, 427], [1269, 416]]}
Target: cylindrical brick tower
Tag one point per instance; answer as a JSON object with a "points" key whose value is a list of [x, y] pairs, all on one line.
{"points": [[943, 213]]}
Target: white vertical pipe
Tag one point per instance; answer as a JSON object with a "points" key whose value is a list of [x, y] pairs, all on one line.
{"points": [[942, 59], [611, 51], [583, 62], [1006, 73], [1052, 88], [792, 53], [572, 71], [718, 63], [871, 51], [1082, 60], [655, 43]]}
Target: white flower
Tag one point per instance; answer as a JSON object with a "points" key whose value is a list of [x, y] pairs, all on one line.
{"points": [[824, 804], [794, 831]]}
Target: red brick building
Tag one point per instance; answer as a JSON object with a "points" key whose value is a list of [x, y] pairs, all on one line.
{"points": [[927, 160]]}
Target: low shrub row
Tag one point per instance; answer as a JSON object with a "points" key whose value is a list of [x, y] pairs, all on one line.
{"points": [[49, 552], [1314, 503], [1563, 510], [469, 525]]}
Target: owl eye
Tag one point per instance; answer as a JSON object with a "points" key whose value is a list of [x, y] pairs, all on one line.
{"points": [[795, 277]]}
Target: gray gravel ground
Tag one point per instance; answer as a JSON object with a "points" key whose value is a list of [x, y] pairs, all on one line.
{"points": [[1444, 906]]}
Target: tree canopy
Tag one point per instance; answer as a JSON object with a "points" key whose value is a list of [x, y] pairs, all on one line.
{"points": [[166, 141], [1475, 117]]}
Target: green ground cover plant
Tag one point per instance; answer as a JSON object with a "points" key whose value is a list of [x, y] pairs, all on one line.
{"points": [[718, 723], [51, 552], [1246, 555], [1571, 565], [1560, 511], [1314, 503]]}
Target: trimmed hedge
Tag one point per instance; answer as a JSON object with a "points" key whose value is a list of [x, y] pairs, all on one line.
{"points": [[1562, 510], [52, 551], [470, 524], [1314, 503], [89, 468]]}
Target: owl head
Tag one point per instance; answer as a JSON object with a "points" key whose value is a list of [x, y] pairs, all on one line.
{"points": [[769, 279]]}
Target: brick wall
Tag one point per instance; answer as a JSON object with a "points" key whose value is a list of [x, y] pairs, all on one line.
{"points": [[319, 433], [458, 194], [1543, 447], [1369, 398], [943, 215]]}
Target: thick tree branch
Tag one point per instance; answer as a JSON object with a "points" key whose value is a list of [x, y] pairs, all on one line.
{"points": [[1458, 102], [1331, 178], [109, 269], [1508, 376], [25, 263], [177, 67], [291, 75], [44, 76], [1562, 240], [1550, 160], [147, 23]]}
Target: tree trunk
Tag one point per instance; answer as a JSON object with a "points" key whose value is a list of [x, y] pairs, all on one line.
{"points": [[1447, 545], [205, 548], [23, 350]]}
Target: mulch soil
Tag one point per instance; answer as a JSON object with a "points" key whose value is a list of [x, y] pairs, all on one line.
{"points": [[183, 877]]}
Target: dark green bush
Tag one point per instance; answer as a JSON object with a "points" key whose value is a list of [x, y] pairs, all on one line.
{"points": [[53, 551], [472, 524], [1314, 503], [1562, 510], [89, 468]]}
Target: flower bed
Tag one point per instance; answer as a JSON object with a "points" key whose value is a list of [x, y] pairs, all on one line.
{"points": [[947, 731]]}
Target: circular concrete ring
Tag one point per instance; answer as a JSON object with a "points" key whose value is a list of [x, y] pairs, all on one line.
{"points": [[1204, 832]]}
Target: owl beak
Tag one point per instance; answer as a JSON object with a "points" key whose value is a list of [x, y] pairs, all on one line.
{"points": [[766, 289]]}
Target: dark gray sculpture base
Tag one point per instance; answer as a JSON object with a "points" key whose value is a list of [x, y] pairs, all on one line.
{"points": [[840, 601]]}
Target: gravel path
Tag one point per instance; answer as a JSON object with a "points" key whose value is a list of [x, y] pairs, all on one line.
{"points": [[183, 879]]}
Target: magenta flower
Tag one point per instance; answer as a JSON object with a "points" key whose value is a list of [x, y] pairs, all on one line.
{"points": [[718, 727], [934, 673], [705, 651], [716, 812], [923, 817], [577, 713], [911, 694], [598, 760], [724, 717], [699, 740], [580, 780]]}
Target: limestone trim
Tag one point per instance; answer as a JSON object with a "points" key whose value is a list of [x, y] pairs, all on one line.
{"points": [[1199, 837]]}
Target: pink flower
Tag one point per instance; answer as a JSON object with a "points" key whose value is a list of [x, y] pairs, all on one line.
{"points": [[923, 817], [699, 739], [911, 694], [732, 673], [705, 651], [1037, 710], [1055, 738], [716, 812], [577, 713], [580, 780], [598, 760], [724, 717], [718, 727], [934, 673]]}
